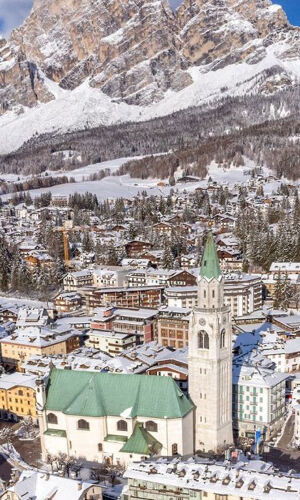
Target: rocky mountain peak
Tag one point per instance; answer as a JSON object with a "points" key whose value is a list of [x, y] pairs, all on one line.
{"points": [[140, 52]]}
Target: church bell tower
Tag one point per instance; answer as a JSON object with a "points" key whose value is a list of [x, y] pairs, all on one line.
{"points": [[210, 357]]}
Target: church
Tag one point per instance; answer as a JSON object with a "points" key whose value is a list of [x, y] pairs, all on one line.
{"points": [[120, 418]]}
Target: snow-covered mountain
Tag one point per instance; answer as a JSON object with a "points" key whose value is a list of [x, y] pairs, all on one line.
{"points": [[80, 63]]}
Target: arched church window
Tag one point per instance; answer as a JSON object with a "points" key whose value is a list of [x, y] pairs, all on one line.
{"points": [[51, 418], [151, 426], [122, 425], [203, 340], [83, 425], [222, 339]]}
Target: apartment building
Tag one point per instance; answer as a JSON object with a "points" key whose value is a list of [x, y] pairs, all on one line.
{"points": [[26, 342], [258, 396], [17, 396], [172, 327], [198, 480]]}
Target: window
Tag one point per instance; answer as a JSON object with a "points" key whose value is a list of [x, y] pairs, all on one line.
{"points": [[203, 340], [213, 294], [151, 426], [83, 425], [99, 446], [175, 449], [51, 418], [20, 392], [222, 339], [122, 425]]}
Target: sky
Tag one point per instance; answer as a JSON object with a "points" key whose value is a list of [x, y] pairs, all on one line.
{"points": [[13, 12]]}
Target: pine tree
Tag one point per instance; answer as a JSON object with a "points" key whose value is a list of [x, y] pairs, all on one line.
{"points": [[5, 265], [278, 292], [167, 260]]}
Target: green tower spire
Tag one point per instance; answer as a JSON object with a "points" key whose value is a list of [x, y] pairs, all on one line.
{"points": [[210, 266]]}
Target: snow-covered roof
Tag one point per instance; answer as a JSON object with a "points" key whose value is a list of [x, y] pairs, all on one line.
{"points": [[243, 480], [43, 486], [9, 380]]}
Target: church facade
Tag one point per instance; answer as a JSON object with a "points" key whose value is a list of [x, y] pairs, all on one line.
{"points": [[112, 417]]}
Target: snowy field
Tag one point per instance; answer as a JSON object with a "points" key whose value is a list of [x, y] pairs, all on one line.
{"points": [[124, 186], [17, 301]]}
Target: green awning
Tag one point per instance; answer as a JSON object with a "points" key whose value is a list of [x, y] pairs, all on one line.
{"points": [[115, 437], [55, 432]]}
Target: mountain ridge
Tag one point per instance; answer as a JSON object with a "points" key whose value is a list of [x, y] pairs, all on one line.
{"points": [[86, 63]]}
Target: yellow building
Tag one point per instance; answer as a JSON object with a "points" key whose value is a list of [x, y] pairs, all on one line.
{"points": [[26, 342], [17, 396]]}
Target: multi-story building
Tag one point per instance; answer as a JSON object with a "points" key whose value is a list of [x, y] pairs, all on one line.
{"points": [[162, 277], [74, 281], [284, 267], [66, 302], [111, 342], [289, 324], [258, 396], [284, 353], [172, 327], [135, 248], [132, 298], [242, 292], [109, 277], [193, 479], [17, 396], [26, 342], [138, 322]]}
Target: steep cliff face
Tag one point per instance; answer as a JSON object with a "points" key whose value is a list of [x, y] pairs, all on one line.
{"points": [[21, 83], [129, 49], [139, 52]]}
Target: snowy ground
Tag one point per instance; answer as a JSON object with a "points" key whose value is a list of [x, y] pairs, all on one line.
{"points": [[21, 301], [124, 186], [89, 107]]}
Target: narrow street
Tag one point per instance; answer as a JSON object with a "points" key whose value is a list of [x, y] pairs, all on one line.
{"points": [[284, 456]]}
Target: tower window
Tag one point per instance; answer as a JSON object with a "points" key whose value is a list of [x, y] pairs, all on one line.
{"points": [[213, 294], [204, 294], [203, 340], [222, 339]]}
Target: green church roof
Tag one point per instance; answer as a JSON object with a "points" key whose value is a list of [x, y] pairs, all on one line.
{"points": [[210, 266], [97, 394], [141, 442]]}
